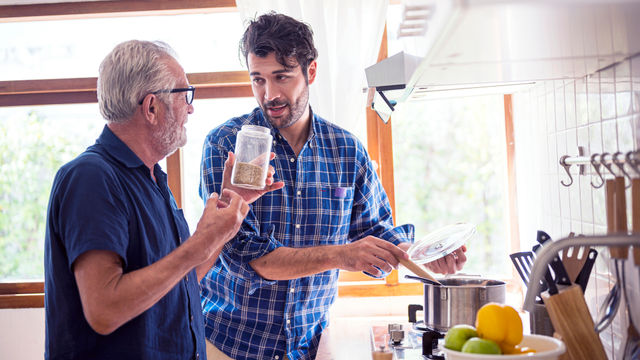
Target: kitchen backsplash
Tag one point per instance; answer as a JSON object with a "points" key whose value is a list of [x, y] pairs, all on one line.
{"points": [[600, 112]]}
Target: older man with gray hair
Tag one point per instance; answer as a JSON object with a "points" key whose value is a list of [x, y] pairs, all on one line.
{"points": [[121, 268]]}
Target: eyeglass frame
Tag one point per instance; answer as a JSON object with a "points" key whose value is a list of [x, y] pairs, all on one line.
{"points": [[191, 89]]}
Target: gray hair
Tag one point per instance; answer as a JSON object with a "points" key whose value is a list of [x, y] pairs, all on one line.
{"points": [[128, 73]]}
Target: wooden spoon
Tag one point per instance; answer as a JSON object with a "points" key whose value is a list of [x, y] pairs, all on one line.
{"points": [[417, 269]]}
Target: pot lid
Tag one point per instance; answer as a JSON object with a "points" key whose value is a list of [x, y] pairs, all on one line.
{"points": [[441, 242]]}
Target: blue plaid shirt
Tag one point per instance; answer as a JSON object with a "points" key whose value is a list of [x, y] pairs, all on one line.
{"points": [[332, 196]]}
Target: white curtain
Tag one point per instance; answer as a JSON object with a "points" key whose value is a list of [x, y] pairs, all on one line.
{"points": [[347, 34]]}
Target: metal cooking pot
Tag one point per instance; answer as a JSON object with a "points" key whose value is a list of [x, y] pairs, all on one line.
{"points": [[458, 300]]}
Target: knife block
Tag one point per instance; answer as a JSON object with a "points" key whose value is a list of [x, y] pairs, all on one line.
{"points": [[572, 321]]}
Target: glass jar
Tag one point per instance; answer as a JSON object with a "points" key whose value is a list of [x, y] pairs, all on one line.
{"points": [[253, 149]]}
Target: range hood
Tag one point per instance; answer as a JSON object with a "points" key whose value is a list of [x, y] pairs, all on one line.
{"points": [[501, 46]]}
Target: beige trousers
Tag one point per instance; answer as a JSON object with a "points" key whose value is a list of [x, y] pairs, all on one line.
{"points": [[213, 353]]}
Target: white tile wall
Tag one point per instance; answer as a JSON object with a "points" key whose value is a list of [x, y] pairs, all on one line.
{"points": [[600, 112]]}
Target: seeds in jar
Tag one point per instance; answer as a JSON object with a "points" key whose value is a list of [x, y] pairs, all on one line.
{"points": [[248, 174]]}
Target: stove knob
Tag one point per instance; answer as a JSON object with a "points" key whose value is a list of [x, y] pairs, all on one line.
{"points": [[397, 336]]}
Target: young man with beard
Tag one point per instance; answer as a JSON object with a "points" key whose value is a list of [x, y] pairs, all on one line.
{"points": [[268, 294], [120, 265]]}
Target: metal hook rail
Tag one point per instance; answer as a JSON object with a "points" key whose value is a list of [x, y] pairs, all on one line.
{"points": [[606, 160]]}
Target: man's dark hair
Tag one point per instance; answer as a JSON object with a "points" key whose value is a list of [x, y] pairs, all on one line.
{"points": [[285, 36]]}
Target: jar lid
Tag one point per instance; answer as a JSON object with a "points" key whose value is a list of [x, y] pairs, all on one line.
{"points": [[256, 128], [441, 242]]}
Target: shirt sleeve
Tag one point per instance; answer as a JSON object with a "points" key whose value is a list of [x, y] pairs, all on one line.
{"points": [[371, 213], [248, 244], [91, 214]]}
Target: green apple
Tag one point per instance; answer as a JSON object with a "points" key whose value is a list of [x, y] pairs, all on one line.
{"points": [[458, 335], [477, 345]]}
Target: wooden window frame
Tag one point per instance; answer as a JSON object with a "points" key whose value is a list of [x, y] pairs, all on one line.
{"points": [[380, 149]]}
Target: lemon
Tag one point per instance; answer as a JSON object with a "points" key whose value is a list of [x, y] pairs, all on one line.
{"points": [[501, 324]]}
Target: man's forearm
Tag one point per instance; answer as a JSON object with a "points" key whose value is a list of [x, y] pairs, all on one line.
{"points": [[285, 263], [203, 269], [370, 254], [110, 298]]}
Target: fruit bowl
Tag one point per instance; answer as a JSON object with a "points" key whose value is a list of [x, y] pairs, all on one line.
{"points": [[546, 348]]}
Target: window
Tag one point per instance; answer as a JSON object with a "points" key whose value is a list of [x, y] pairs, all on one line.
{"points": [[57, 49], [34, 143], [36, 140], [75, 48], [448, 175], [450, 162], [208, 113]]}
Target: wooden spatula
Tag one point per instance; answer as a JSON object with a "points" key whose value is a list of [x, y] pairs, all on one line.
{"points": [[635, 215], [417, 269], [574, 260], [616, 214]]}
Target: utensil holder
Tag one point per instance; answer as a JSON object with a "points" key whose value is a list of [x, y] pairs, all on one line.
{"points": [[540, 321]]}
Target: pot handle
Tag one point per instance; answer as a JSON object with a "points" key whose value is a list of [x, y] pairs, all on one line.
{"points": [[413, 309], [421, 279]]}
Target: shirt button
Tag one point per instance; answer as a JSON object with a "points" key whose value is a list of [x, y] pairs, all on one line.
{"points": [[186, 278], [274, 142], [297, 226], [299, 192], [291, 290], [197, 356], [292, 159], [276, 357], [191, 318], [288, 322]]}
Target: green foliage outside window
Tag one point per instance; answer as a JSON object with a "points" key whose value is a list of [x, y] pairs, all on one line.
{"points": [[32, 149], [449, 167]]}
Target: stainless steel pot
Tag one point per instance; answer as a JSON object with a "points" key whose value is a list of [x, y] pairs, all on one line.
{"points": [[458, 299]]}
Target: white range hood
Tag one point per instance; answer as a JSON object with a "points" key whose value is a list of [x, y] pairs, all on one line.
{"points": [[497, 44]]}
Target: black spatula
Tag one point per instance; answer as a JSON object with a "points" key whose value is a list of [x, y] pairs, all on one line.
{"points": [[523, 262]]}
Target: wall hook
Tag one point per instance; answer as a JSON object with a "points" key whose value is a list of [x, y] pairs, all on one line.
{"points": [[566, 167], [633, 163], [607, 166], [596, 167], [620, 164]]}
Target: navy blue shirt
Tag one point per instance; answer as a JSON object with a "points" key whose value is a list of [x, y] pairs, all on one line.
{"points": [[105, 199]]}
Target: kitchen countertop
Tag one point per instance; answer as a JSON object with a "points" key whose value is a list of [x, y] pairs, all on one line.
{"points": [[348, 338]]}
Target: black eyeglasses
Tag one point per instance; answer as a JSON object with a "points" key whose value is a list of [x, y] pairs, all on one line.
{"points": [[190, 92]]}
